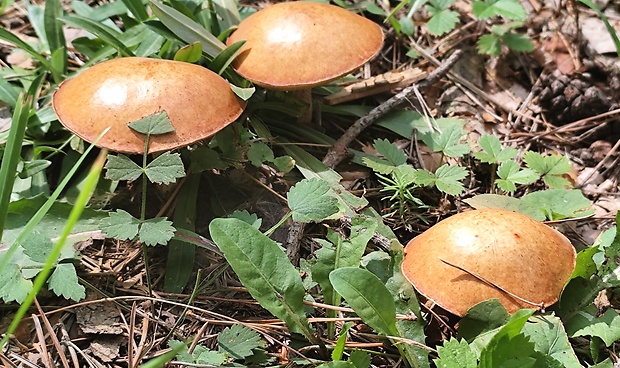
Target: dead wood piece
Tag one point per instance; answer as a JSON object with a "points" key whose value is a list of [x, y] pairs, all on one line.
{"points": [[339, 150]]}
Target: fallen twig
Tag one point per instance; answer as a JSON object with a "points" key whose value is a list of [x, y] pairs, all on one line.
{"points": [[339, 150]]}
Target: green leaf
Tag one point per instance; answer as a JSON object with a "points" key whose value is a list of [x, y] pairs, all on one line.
{"points": [[55, 35], [8, 93], [121, 167], [482, 318], [259, 153], [13, 39], [37, 246], [137, 9], [367, 295], [13, 286], [186, 29], [404, 123], [154, 124], [518, 42], [549, 338], [64, 282], [243, 93], [264, 269], [447, 141], [394, 155], [455, 354], [224, 58], [309, 201], [448, 179], [33, 167], [204, 158], [557, 204], [442, 21], [342, 340], [359, 359], [588, 323], [509, 9], [165, 169], [155, 231], [189, 53], [549, 167], [378, 165], [238, 341], [509, 345], [120, 225], [492, 151], [489, 44], [509, 175]]}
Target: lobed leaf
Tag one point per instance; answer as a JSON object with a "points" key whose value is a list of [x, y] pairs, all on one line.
{"points": [[64, 282], [121, 167], [455, 354], [310, 200], [155, 124], [238, 341], [121, 225], [155, 231], [165, 169]]}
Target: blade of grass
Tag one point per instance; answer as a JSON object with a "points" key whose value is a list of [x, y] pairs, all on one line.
{"points": [[74, 216], [610, 29], [107, 34], [224, 58], [11, 38], [55, 38], [12, 154], [136, 7], [186, 29]]}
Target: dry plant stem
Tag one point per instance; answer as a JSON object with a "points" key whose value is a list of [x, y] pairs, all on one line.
{"points": [[48, 326], [338, 151], [42, 346]]}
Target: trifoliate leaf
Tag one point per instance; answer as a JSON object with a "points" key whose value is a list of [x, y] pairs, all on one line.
{"points": [[550, 167], [442, 20], [390, 151], [259, 153], [37, 246], [456, 354], [121, 167], [238, 341], [509, 9], [492, 151], [489, 44], [587, 323], [13, 286], [120, 225], [447, 141], [309, 201], [64, 282], [165, 169], [155, 124], [156, 231], [509, 175]]}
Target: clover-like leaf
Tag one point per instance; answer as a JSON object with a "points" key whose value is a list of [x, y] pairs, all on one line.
{"points": [[492, 151], [238, 341], [155, 124], [120, 225], [121, 167], [165, 169], [309, 201], [155, 231]]}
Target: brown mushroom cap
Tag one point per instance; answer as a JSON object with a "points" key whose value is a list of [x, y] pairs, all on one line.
{"points": [[510, 250], [300, 45], [114, 93]]}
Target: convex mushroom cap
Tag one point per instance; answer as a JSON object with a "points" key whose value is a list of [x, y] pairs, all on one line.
{"points": [[510, 250], [300, 45], [117, 92]]}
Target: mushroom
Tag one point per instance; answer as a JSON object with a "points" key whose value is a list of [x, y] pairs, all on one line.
{"points": [[295, 46], [116, 92], [490, 253]]}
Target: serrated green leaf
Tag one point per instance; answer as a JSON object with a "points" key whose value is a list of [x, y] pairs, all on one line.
{"points": [[547, 165], [455, 354], [557, 204], [359, 359], [549, 338], [394, 155], [509, 345], [587, 323], [378, 165], [489, 44], [121, 167], [13, 286], [424, 177], [238, 341], [204, 356], [492, 150], [447, 141], [37, 246], [448, 179], [155, 231], [309, 201], [182, 353], [509, 175], [120, 225], [155, 124], [556, 182], [165, 169], [64, 282], [259, 153], [509, 9], [264, 269], [442, 21], [367, 295]]}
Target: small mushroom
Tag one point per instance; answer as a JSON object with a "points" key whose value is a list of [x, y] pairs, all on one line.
{"points": [[483, 254], [295, 46], [117, 92]]}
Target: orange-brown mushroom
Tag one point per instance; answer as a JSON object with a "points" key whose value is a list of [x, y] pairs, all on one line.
{"points": [[509, 251], [295, 46], [114, 93]]}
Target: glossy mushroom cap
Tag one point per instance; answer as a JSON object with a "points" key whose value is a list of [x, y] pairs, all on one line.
{"points": [[114, 93], [300, 45], [508, 249]]}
